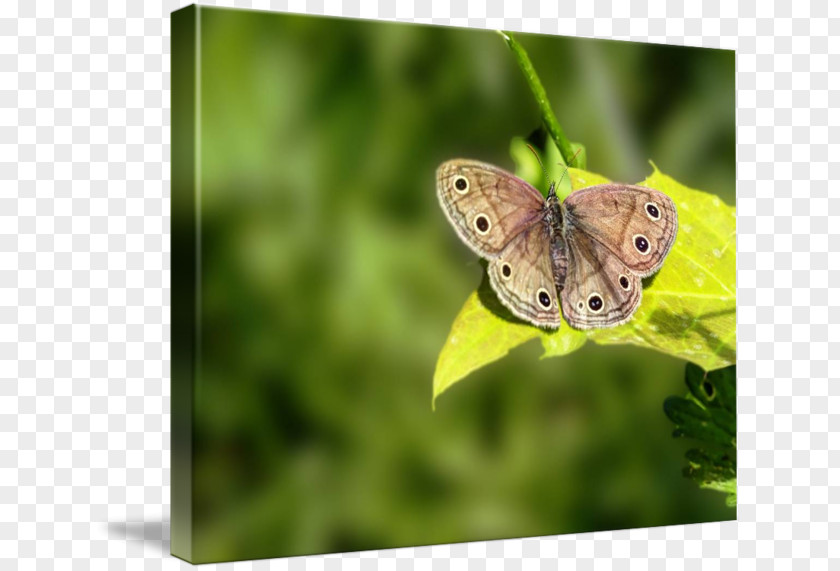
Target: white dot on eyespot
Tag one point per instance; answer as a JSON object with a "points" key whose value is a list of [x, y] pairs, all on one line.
{"points": [[461, 181], [482, 221], [542, 296], [640, 240], [596, 299], [656, 209]]}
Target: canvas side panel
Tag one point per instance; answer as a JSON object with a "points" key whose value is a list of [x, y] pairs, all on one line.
{"points": [[185, 259]]}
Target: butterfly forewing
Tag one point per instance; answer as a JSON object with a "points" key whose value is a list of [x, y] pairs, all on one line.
{"points": [[522, 277], [600, 291], [487, 206], [637, 224]]}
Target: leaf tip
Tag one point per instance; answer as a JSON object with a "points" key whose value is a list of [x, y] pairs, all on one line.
{"points": [[655, 168], [438, 388]]}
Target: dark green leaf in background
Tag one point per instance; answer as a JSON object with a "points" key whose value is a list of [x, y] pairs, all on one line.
{"points": [[707, 415]]}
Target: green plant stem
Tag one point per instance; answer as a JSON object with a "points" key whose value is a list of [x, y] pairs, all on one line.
{"points": [[565, 146]]}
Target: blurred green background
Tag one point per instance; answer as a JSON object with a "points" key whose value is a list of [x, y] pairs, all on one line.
{"points": [[330, 278]]}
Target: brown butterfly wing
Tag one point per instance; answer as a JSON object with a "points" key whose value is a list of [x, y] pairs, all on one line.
{"points": [[600, 290], [487, 206], [637, 224], [522, 277]]}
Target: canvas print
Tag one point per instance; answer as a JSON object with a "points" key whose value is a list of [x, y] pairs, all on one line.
{"points": [[438, 285]]}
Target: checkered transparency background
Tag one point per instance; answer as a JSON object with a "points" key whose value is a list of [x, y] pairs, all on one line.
{"points": [[84, 285]]}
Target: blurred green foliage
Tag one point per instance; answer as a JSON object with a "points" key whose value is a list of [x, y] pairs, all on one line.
{"points": [[329, 280]]}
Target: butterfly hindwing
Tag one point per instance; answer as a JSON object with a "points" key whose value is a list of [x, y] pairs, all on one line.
{"points": [[600, 291], [523, 279]]}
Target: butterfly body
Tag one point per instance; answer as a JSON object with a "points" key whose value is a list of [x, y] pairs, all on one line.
{"points": [[584, 256]]}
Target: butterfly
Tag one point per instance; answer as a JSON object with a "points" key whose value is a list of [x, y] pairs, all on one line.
{"points": [[585, 256]]}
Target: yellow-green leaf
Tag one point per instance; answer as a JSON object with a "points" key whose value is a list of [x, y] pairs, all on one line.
{"points": [[479, 336], [688, 307], [687, 310]]}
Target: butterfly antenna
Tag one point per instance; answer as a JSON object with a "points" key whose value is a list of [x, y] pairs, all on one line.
{"points": [[566, 170], [545, 172]]}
